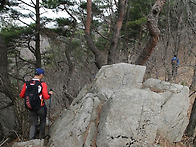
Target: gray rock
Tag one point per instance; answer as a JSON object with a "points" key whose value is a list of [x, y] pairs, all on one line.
{"points": [[8, 121], [113, 77], [131, 114], [173, 116], [91, 135], [129, 117], [31, 143]]}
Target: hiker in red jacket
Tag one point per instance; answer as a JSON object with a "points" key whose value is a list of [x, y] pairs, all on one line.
{"points": [[41, 110]]}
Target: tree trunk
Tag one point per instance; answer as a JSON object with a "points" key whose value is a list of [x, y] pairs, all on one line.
{"points": [[6, 86], [152, 25], [112, 51], [126, 36], [192, 122], [193, 84], [37, 36], [99, 57]]}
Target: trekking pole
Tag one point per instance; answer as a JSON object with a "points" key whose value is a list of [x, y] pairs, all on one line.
{"points": [[48, 136]]}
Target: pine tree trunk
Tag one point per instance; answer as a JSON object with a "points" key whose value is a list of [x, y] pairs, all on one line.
{"points": [[112, 53], [6, 86], [154, 32], [192, 122], [99, 57], [37, 36], [193, 84]]}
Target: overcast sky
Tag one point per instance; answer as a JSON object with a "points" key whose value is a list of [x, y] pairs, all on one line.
{"points": [[44, 12]]}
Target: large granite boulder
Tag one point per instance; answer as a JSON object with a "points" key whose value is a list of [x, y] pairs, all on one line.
{"points": [[118, 109], [174, 108], [129, 117]]}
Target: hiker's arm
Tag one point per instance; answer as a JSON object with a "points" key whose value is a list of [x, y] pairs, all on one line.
{"points": [[45, 91], [22, 93]]}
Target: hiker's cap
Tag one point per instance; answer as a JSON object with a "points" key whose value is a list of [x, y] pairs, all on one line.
{"points": [[39, 71]]}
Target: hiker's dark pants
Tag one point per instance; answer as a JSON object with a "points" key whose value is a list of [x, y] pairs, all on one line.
{"points": [[41, 113], [174, 70]]}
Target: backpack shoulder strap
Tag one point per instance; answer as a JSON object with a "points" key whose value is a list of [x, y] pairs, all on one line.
{"points": [[33, 83], [38, 83], [28, 83]]}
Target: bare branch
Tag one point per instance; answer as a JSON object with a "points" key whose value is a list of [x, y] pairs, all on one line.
{"points": [[24, 22], [4, 142], [102, 35], [116, 3], [30, 62], [70, 14], [31, 48], [193, 2], [26, 3], [33, 3]]}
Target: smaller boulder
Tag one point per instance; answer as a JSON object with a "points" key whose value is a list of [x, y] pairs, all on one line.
{"points": [[31, 143]]}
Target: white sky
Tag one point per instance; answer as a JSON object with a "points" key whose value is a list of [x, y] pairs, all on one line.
{"points": [[44, 12]]}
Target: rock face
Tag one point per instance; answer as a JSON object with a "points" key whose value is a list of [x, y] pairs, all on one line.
{"points": [[8, 123], [120, 110], [173, 117], [129, 117], [31, 143]]}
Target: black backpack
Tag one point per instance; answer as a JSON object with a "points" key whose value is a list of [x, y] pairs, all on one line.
{"points": [[32, 100]]}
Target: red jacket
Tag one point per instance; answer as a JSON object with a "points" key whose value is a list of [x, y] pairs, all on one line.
{"points": [[43, 95]]}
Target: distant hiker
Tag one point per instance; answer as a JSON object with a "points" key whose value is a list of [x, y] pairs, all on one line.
{"points": [[175, 64], [34, 92]]}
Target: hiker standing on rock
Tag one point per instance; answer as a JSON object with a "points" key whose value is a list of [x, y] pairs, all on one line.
{"points": [[175, 64], [34, 93]]}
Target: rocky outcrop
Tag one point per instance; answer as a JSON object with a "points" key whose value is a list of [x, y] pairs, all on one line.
{"points": [[83, 112], [129, 117], [118, 109], [8, 122], [31, 143], [175, 104]]}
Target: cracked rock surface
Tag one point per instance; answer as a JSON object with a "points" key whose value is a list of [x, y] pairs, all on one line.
{"points": [[118, 109]]}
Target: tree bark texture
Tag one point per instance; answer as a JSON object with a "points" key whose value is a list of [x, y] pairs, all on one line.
{"points": [[99, 57], [192, 122], [6, 86], [193, 84], [37, 36], [152, 25], [113, 47]]}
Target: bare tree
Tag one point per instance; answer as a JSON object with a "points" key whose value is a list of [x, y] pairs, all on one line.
{"points": [[116, 34], [99, 56], [34, 49], [190, 6]]}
